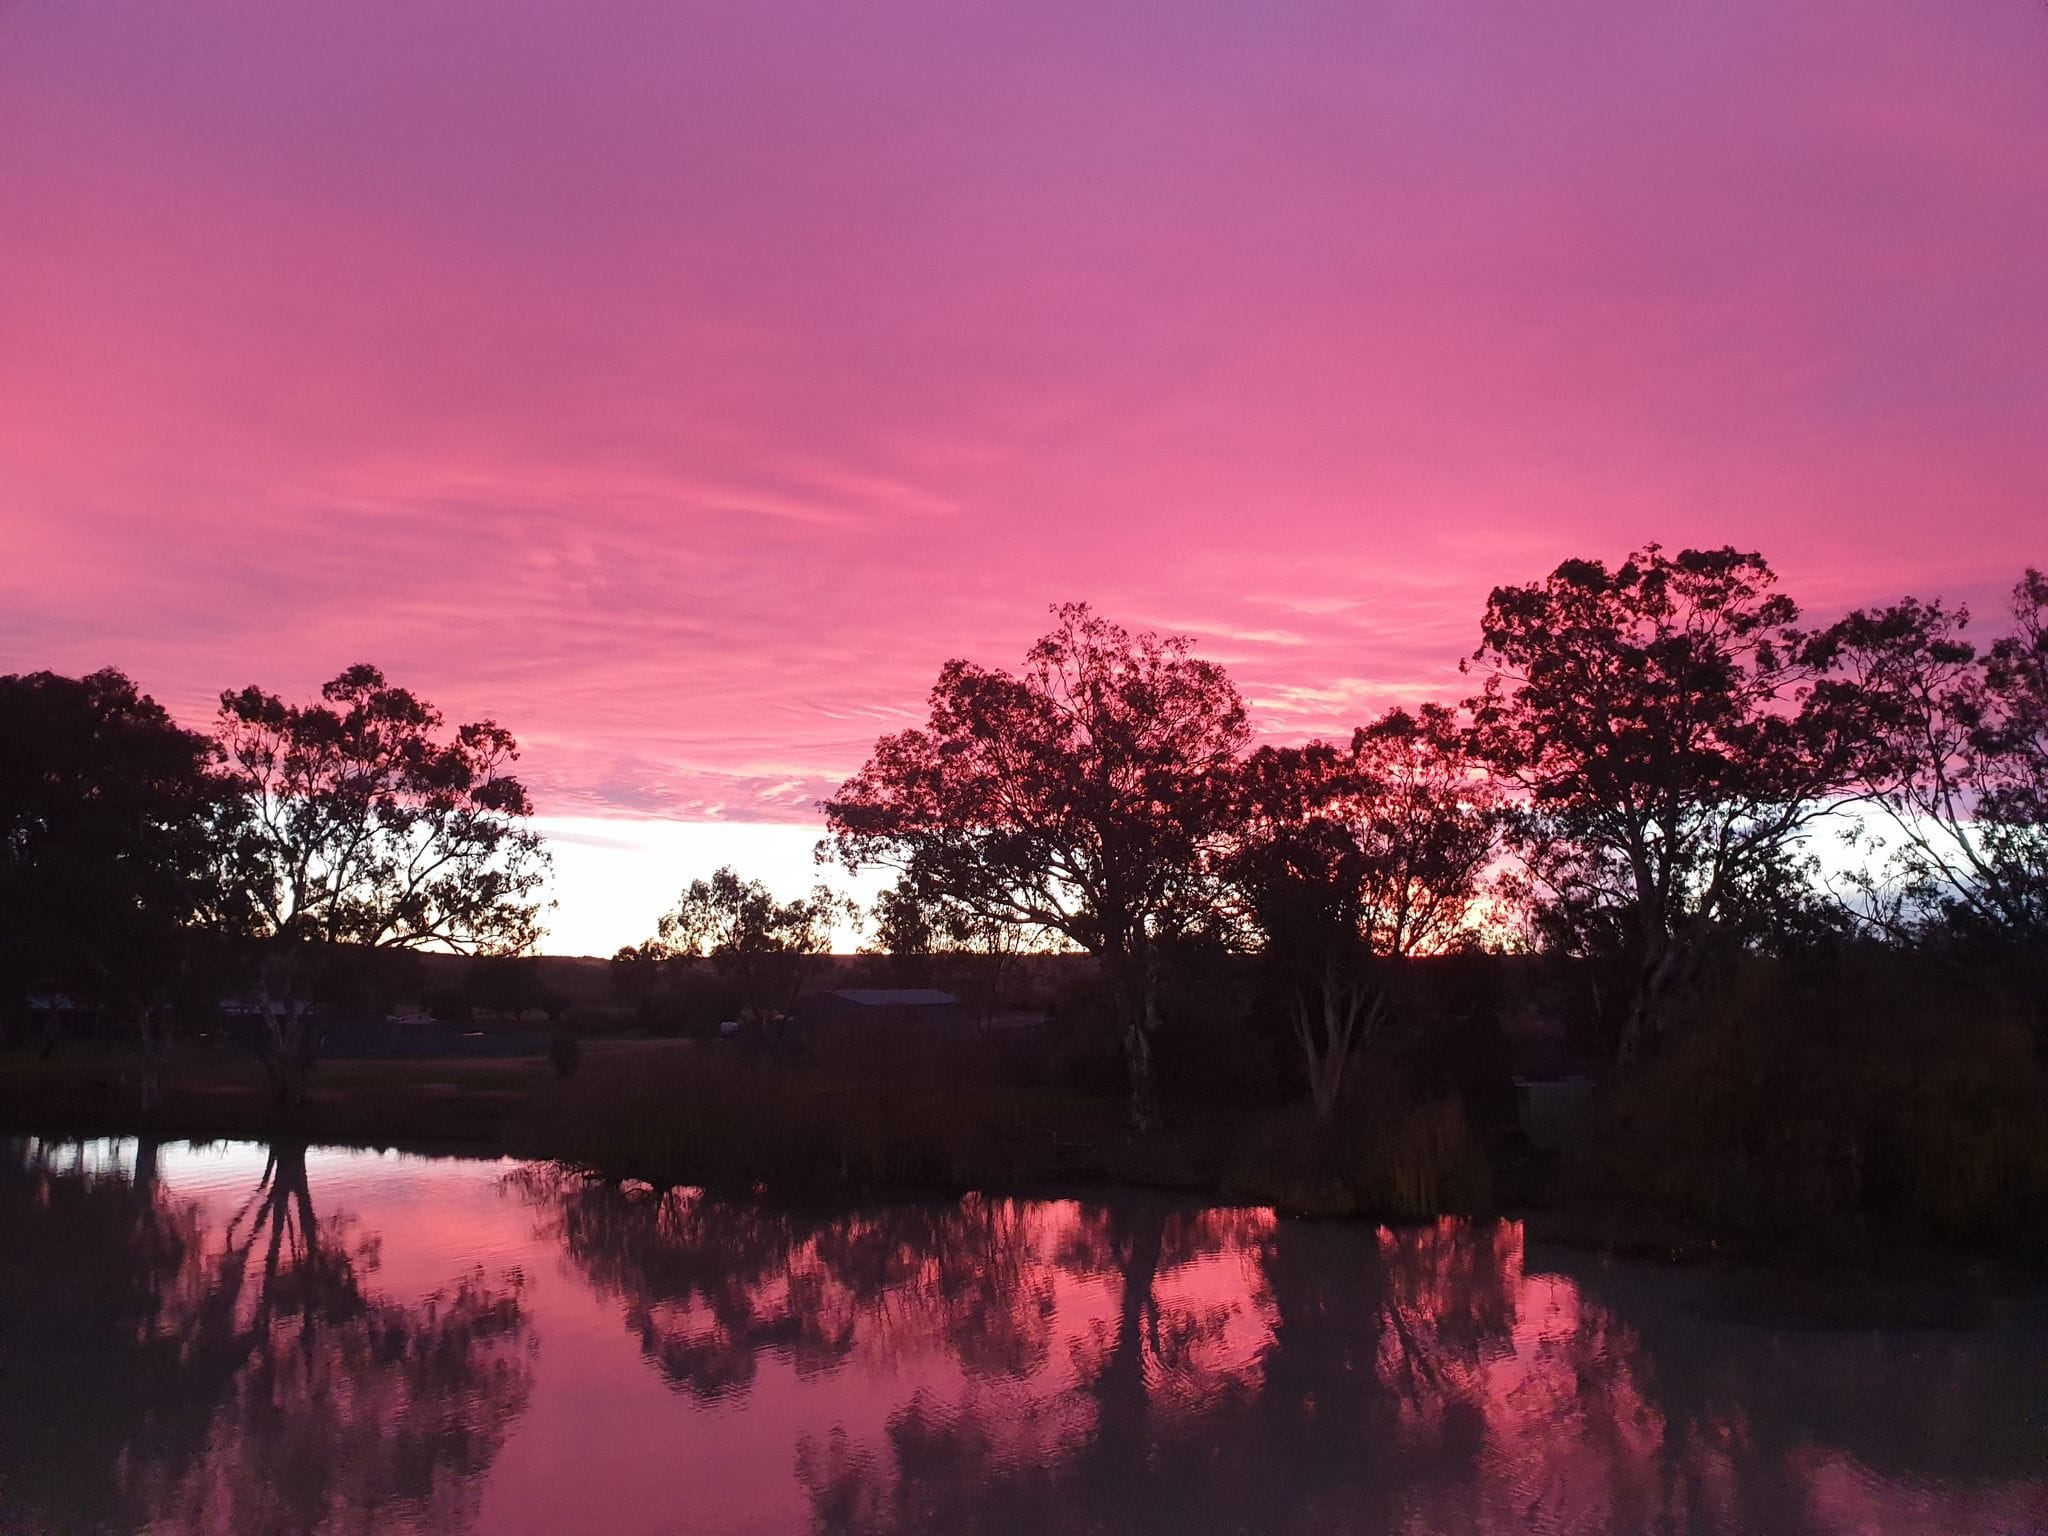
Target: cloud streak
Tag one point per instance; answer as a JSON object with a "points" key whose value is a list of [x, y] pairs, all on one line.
{"points": [[682, 386]]}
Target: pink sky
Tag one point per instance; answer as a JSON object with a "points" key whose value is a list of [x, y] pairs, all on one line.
{"points": [[682, 384]]}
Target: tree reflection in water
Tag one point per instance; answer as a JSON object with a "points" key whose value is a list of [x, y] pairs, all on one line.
{"points": [[235, 1364], [710, 1286], [239, 1379], [1137, 1366]]}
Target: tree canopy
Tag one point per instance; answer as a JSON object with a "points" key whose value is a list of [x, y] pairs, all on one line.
{"points": [[1347, 856], [370, 827], [1076, 797], [115, 833], [1659, 725], [1960, 745], [765, 947]]}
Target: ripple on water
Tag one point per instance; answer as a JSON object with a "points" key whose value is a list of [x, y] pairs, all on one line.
{"points": [[235, 1337]]}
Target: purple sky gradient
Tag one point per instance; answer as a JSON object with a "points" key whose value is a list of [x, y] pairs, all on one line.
{"points": [[681, 385]]}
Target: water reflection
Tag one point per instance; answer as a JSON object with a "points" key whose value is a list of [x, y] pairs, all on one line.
{"points": [[161, 1370], [274, 1342], [1141, 1367]]}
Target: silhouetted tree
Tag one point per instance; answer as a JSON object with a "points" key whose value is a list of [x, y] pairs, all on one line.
{"points": [[1075, 798], [1660, 723], [634, 974], [507, 985], [932, 938], [1349, 858], [115, 828], [371, 829], [1962, 763], [904, 928], [766, 948]]}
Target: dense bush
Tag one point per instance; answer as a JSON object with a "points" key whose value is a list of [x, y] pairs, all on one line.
{"points": [[1857, 1100], [1216, 1055], [583, 1019], [1384, 1160], [874, 1112], [1083, 1051]]}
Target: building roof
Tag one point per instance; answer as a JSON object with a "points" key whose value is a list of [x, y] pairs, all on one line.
{"points": [[897, 997]]}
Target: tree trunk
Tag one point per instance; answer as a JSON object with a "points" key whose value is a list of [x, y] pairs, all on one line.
{"points": [[1330, 1027], [1667, 975], [1144, 1085], [1327, 1086], [986, 970], [1325, 1082], [289, 1057], [1135, 988], [294, 1081], [156, 1045], [144, 1182]]}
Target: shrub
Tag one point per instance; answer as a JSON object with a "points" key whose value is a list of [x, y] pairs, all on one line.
{"points": [[566, 1052], [1391, 1162], [1874, 1101], [877, 1114]]}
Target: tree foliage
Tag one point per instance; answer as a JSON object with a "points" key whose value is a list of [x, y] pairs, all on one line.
{"points": [[114, 826], [935, 939], [1076, 797], [1346, 858], [1660, 725], [765, 947], [1961, 765], [369, 827]]}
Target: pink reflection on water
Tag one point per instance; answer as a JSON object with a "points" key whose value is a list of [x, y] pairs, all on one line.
{"points": [[361, 1343]]}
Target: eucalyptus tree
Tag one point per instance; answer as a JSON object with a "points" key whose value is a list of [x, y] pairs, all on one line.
{"points": [[1078, 798], [1961, 765], [369, 827], [1348, 857], [1664, 728], [768, 949], [935, 939]]}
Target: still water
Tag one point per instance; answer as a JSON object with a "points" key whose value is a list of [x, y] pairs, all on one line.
{"points": [[247, 1339]]}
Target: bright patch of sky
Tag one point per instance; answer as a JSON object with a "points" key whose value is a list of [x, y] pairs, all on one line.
{"points": [[614, 877]]}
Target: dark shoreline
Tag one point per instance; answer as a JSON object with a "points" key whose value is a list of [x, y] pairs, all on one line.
{"points": [[1789, 1288], [1844, 1278]]}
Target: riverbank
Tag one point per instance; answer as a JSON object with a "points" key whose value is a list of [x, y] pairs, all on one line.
{"points": [[867, 1120], [666, 1111], [880, 1125]]}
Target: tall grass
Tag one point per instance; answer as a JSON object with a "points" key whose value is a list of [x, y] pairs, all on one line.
{"points": [[1384, 1159], [1879, 1105], [876, 1112]]}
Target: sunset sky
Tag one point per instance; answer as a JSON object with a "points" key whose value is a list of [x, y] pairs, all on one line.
{"points": [[682, 384]]}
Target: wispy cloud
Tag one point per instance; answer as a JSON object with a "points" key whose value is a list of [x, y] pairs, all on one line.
{"points": [[689, 426]]}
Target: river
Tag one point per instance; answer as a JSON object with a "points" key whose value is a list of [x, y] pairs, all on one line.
{"points": [[265, 1340]]}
